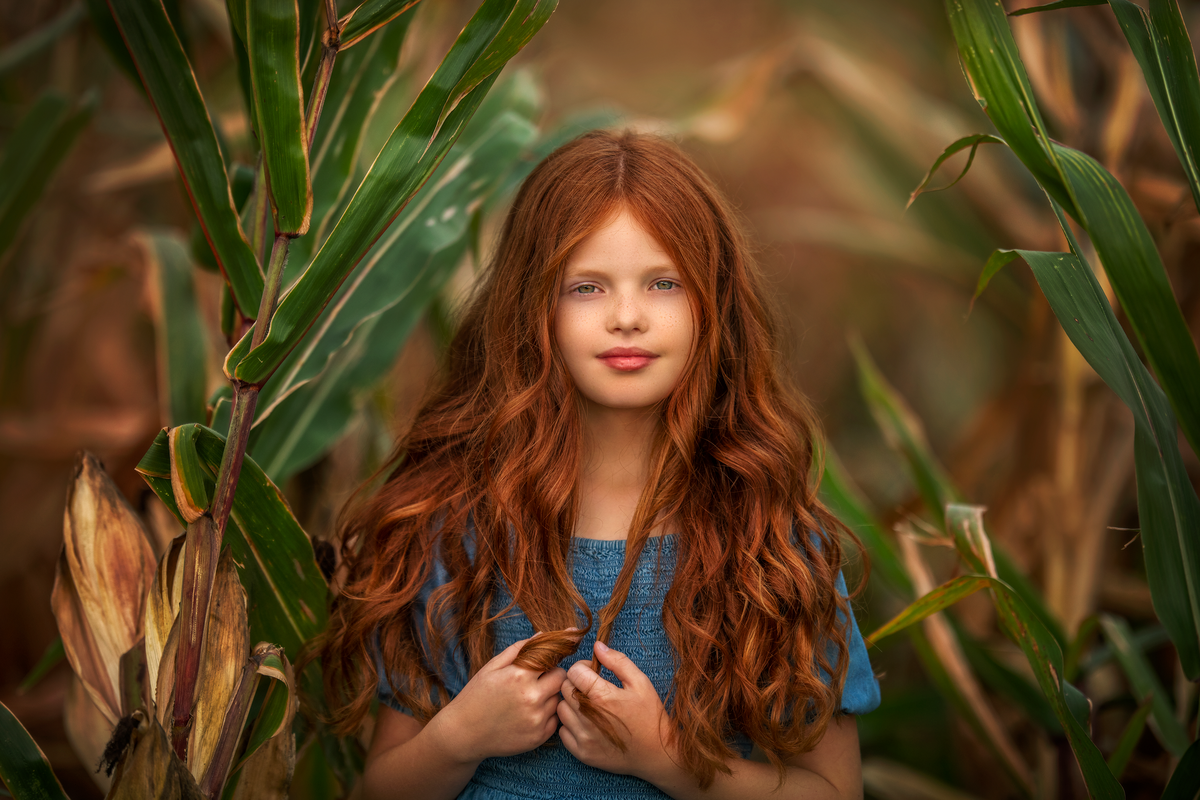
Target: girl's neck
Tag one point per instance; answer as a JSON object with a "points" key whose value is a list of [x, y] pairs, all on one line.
{"points": [[617, 446]]}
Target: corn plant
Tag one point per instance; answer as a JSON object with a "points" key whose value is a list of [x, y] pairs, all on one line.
{"points": [[1076, 187], [176, 653]]}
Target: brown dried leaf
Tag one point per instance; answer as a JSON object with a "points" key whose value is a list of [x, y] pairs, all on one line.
{"points": [[164, 682], [150, 769], [105, 568], [226, 647], [162, 605], [87, 729]]}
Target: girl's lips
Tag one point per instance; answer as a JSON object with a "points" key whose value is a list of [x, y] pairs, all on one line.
{"points": [[627, 363]]}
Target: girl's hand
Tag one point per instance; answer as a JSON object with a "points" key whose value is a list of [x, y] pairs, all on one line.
{"points": [[503, 710], [636, 704]]}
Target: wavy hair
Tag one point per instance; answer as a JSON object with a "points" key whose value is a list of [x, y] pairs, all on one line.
{"points": [[753, 610]]}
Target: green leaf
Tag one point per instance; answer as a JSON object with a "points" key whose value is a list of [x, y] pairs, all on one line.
{"points": [[1145, 683], [110, 36], [23, 766], [273, 44], [939, 599], [1185, 781], [360, 78], [1126, 249], [844, 499], [996, 261], [33, 151], [167, 76], [1118, 759], [189, 480], [1079, 184], [54, 654], [276, 708], [370, 17], [182, 339], [1056, 6], [38, 40], [905, 434], [495, 33], [973, 141], [285, 590], [358, 336], [1023, 626], [1008, 683], [1159, 41], [1168, 509]]}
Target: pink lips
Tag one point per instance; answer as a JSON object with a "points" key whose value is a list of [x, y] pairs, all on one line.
{"points": [[626, 359]]}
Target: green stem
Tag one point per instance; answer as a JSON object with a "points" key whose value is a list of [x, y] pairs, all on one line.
{"points": [[204, 536]]}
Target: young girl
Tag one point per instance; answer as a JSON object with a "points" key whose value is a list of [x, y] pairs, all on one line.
{"points": [[611, 462]]}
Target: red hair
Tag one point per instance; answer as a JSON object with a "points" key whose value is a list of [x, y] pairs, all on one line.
{"points": [[753, 604]]}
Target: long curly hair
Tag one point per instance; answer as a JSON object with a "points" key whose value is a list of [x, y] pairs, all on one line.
{"points": [[752, 612]]}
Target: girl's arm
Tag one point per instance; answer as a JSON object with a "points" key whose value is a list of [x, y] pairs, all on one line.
{"points": [[503, 710], [832, 770]]}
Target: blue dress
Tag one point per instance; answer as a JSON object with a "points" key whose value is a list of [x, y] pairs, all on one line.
{"points": [[551, 772]]}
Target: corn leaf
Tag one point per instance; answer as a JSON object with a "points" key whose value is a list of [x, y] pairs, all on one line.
{"points": [[150, 770], [1168, 509], [844, 499], [188, 477], [905, 434], [274, 557], [965, 524], [273, 45], [973, 141], [1091, 195], [226, 646], [1118, 759], [171, 86], [939, 599], [52, 656], [360, 79], [1145, 683], [24, 768], [1160, 43], [497, 31], [1006, 682], [33, 151], [1055, 6], [162, 607], [182, 339], [369, 17], [105, 569], [1185, 780], [266, 770], [358, 336]]}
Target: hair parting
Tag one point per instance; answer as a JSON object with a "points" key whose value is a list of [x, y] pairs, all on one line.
{"points": [[485, 483]]}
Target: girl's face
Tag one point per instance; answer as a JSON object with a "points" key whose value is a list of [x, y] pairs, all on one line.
{"points": [[623, 323]]}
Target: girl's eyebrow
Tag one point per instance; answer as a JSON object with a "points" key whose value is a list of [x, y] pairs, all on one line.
{"points": [[600, 271]]}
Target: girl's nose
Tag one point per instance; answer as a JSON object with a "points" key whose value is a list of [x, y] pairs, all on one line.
{"points": [[628, 313]]}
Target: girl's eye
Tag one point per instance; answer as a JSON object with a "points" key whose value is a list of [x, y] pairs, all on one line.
{"points": [[665, 285], [587, 288]]}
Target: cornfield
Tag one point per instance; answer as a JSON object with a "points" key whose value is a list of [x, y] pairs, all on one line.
{"points": [[233, 236]]}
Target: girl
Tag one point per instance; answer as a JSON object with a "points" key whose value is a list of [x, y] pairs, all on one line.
{"points": [[612, 434]]}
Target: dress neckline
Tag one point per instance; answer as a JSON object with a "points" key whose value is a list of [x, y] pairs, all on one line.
{"points": [[583, 543]]}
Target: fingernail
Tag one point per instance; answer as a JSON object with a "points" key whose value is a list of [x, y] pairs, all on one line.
{"points": [[601, 647]]}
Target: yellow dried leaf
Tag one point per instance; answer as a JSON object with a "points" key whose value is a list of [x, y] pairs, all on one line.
{"points": [[150, 770], [162, 605], [164, 682], [100, 585], [226, 647], [87, 729], [267, 773]]}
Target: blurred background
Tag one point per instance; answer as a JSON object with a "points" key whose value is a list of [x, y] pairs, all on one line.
{"points": [[817, 118]]}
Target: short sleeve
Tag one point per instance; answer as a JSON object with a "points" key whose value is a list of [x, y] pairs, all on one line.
{"points": [[860, 693], [454, 672]]}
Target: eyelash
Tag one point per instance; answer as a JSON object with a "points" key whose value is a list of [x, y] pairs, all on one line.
{"points": [[578, 289]]}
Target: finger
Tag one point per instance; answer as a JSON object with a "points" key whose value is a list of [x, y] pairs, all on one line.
{"points": [[552, 679], [620, 664], [551, 726], [568, 739], [568, 695], [569, 716], [506, 656], [585, 680]]}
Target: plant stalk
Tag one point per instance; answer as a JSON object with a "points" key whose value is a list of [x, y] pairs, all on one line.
{"points": [[205, 535]]}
